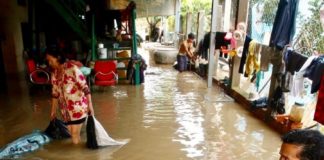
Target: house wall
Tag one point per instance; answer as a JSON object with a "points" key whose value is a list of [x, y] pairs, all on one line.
{"points": [[11, 17]]}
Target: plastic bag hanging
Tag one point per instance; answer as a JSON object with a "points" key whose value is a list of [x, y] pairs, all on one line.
{"points": [[57, 130], [103, 139], [91, 134]]}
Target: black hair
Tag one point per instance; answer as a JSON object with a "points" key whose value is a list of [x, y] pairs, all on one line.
{"points": [[54, 51], [191, 36], [312, 142]]}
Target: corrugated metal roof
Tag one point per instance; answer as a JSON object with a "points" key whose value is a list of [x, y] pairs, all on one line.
{"points": [[145, 8]]}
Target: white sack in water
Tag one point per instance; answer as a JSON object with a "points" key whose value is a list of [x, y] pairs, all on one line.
{"points": [[103, 138]]}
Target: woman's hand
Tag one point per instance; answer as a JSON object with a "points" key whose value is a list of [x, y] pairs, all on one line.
{"points": [[53, 115], [90, 110], [53, 108], [90, 107]]}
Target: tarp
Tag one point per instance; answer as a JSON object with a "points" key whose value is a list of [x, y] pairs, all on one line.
{"points": [[146, 8]]}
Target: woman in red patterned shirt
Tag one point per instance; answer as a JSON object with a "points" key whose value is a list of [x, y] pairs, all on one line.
{"points": [[70, 92]]}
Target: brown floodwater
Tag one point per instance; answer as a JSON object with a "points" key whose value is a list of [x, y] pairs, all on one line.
{"points": [[172, 116]]}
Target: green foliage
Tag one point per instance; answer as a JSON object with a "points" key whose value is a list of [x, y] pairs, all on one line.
{"points": [[311, 36], [310, 39], [194, 6], [269, 9], [153, 21]]}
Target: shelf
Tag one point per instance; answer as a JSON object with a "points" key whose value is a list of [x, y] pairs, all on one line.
{"points": [[109, 43], [117, 58], [119, 49], [122, 78]]}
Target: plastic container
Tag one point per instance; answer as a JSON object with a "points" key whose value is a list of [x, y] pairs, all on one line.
{"points": [[102, 53], [100, 45], [297, 112]]}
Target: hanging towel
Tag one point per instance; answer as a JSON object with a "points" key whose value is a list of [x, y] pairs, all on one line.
{"points": [[252, 61], [265, 59], [244, 53]]}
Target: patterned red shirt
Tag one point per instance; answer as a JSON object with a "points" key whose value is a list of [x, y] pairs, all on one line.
{"points": [[71, 89]]}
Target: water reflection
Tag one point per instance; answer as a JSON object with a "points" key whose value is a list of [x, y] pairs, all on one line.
{"points": [[190, 132], [167, 117]]}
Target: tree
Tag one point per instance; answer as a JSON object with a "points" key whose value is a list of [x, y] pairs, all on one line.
{"points": [[154, 30], [310, 39], [269, 10], [195, 6]]}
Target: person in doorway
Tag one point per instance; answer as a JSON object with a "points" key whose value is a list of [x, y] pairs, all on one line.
{"points": [[186, 52], [302, 145], [70, 92]]}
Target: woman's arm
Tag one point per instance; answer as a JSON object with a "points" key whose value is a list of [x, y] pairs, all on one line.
{"points": [[90, 106], [53, 108]]}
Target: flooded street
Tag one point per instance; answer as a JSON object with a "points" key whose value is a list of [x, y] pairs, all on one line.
{"points": [[166, 118]]}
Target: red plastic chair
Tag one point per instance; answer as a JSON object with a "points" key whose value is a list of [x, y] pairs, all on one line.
{"points": [[105, 73], [37, 75]]}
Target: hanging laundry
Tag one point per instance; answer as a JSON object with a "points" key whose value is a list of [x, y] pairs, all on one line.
{"points": [[252, 62], [244, 53], [293, 62], [220, 40], [265, 59], [298, 81], [319, 111], [259, 77], [203, 45], [284, 24], [314, 72]]}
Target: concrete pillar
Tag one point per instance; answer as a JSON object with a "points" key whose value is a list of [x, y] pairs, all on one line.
{"points": [[219, 24], [212, 44], [164, 29], [242, 17], [177, 23], [243, 11], [177, 16], [201, 26], [188, 24], [227, 15]]}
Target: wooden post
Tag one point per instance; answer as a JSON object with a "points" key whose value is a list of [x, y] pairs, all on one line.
{"points": [[276, 65]]}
